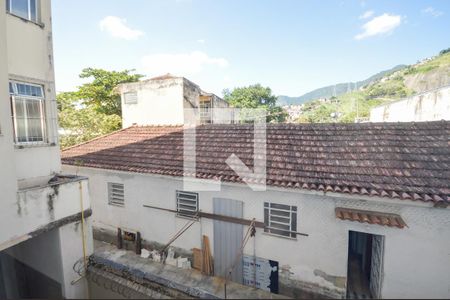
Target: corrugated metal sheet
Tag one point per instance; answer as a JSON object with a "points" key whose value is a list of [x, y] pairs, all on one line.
{"points": [[228, 239]]}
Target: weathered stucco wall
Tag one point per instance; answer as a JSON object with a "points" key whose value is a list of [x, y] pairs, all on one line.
{"points": [[168, 101], [54, 253], [8, 179], [428, 106], [415, 262], [160, 102], [35, 209], [34, 64]]}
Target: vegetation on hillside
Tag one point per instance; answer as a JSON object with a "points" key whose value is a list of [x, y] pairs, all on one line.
{"points": [[357, 104], [335, 90], [94, 109]]}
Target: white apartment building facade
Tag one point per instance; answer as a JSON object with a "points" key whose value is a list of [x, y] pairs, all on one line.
{"points": [[42, 232], [170, 100]]}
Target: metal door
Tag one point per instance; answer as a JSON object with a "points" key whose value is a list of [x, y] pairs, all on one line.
{"points": [[376, 272], [228, 239]]}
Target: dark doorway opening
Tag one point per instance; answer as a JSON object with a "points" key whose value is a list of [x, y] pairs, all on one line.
{"points": [[364, 270], [18, 280]]}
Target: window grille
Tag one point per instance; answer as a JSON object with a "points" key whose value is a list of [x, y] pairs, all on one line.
{"points": [[130, 98], [116, 194], [28, 112], [205, 112], [187, 204], [280, 219]]}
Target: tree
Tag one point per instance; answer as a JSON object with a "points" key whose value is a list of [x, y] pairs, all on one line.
{"points": [[80, 123], [256, 96], [100, 92], [94, 109]]}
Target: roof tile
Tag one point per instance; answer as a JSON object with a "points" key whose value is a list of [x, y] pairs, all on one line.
{"points": [[409, 161]]}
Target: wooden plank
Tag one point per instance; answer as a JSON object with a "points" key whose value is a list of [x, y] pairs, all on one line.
{"points": [[221, 218]]}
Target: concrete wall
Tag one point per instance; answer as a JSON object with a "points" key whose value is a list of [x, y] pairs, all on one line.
{"points": [[416, 260], [428, 106], [54, 254], [168, 101], [33, 209], [160, 102], [8, 178]]}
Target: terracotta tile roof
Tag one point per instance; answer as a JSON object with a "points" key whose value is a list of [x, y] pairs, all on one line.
{"points": [[395, 160], [371, 217]]}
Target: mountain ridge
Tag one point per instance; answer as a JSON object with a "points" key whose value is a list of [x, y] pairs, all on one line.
{"points": [[335, 90]]}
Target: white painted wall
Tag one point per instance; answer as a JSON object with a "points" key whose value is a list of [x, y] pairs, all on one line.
{"points": [[8, 179], [428, 106], [170, 101], [34, 64], [416, 258], [32, 210], [54, 254], [160, 102]]}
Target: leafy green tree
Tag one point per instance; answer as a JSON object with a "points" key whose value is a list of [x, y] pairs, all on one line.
{"points": [[100, 92], [94, 109], [80, 123], [256, 96]]}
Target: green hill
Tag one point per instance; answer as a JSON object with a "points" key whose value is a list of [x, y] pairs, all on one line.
{"points": [[334, 90], [426, 75]]}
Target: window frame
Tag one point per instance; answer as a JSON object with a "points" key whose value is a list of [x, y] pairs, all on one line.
{"points": [[9, 9], [15, 96], [292, 210], [130, 102], [206, 109], [194, 213], [111, 200]]}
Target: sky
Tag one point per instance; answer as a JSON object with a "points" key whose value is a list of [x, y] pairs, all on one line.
{"points": [[292, 47]]}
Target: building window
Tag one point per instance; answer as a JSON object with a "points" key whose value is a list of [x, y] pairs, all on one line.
{"points": [[26, 9], [205, 112], [187, 204], [130, 98], [116, 194], [280, 219], [28, 112]]}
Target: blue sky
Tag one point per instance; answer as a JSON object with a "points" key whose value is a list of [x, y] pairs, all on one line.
{"points": [[291, 46]]}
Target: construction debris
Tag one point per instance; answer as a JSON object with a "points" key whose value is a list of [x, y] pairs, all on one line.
{"points": [[207, 261], [145, 253]]}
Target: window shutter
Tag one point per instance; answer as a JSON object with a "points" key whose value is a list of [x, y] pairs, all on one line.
{"points": [[116, 194], [187, 204]]}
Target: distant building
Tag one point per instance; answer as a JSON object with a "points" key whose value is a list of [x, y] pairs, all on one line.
{"points": [[294, 112], [42, 235], [428, 106], [168, 100]]}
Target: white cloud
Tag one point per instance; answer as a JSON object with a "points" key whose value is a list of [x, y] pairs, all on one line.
{"points": [[432, 12], [367, 14], [383, 24], [118, 28], [180, 64], [201, 41]]}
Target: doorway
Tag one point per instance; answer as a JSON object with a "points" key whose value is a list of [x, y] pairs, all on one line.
{"points": [[365, 265], [228, 239]]}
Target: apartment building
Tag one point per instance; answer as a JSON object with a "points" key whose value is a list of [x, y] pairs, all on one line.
{"points": [[170, 100], [44, 217]]}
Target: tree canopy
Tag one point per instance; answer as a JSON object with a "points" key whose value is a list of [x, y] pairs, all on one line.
{"points": [[94, 109], [256, 96], [99, 93]]}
